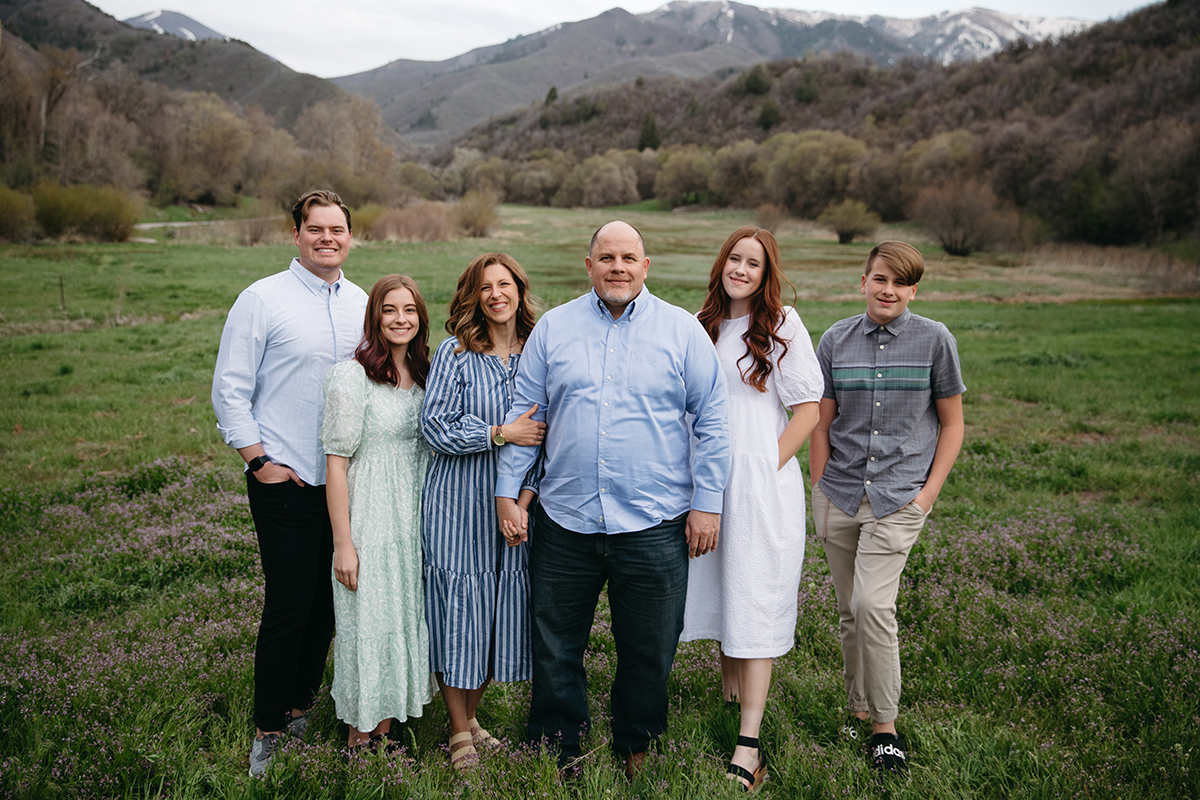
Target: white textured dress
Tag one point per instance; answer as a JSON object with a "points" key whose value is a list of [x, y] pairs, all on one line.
{"points": [[381, 650], [743, 594]]}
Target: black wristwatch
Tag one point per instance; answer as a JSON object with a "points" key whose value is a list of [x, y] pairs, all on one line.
{"points": [[257, 463]]}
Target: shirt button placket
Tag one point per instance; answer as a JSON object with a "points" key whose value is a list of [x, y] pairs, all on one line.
{"points": [[877, 405], [608, 389]]}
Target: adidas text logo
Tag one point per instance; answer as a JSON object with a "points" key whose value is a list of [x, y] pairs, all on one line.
{"points": [[888, 750]]}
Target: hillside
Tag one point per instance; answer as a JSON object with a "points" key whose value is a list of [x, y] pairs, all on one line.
{"points": [[783, 32], [1098, 82], [1094, 138], [430, 102], [231, 69], [172, 23]]}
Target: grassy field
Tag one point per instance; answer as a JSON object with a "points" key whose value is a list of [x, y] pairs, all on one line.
{"points": [[1050, 614]]}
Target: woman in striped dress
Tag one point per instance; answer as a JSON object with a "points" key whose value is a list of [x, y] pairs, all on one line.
{"points": [[476, 588]]}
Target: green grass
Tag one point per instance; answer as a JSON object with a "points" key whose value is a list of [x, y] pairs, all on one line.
{"points": [[1050, 614]]}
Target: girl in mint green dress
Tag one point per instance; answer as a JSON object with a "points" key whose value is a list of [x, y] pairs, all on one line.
{"points": [[376, 461]]}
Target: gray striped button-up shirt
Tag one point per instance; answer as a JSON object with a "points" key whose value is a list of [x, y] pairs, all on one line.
{"points": [[885, 379]]}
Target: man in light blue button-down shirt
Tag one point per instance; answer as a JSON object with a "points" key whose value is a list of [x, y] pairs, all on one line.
{"points": [[624, 381], [281, 337]]}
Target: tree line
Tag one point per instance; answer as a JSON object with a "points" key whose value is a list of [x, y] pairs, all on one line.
{"points": [[69, 117], [1094, 138]]}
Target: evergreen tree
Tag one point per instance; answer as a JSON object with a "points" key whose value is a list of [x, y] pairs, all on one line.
{"points": [[648, 136]]}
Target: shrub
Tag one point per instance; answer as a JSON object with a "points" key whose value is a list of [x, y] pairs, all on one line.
{"points": [[756, 81], [770, 216], [16, 215], [476, 214], [422, 222], [364, 218], [806, 90], [850, 220], [738, 177], [684, 177], [599, 181], [963, 217], [768, 115], [810, 170], [414, 178], [95, 212]]}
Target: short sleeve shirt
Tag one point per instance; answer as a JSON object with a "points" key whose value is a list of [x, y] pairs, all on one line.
{"points": [[885, 379]]}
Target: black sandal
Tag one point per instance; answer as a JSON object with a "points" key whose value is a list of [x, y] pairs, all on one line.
{"points": [[754, 779]]}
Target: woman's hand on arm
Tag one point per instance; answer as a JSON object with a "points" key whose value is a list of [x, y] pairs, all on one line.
{"points": [[337, 494], [799, 427], [524, 430]]}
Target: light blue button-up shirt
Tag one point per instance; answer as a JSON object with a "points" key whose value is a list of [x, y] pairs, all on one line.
{"points": [[614, 394], [282, 335]]}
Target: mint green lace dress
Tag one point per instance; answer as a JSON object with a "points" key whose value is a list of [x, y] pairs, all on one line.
{"points": [[381, 649]]}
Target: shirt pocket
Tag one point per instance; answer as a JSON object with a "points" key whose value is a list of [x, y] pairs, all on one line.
{"points": [[650, 374]]}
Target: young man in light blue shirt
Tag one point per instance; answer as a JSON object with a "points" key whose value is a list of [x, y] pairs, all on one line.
{"points": [[613, 374], [282, 335]]}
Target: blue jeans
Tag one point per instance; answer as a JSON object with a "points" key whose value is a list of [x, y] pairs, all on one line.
{"points": [[646, 572]]}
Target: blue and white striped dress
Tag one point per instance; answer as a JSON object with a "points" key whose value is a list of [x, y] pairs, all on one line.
{"points": [[476, 587]]}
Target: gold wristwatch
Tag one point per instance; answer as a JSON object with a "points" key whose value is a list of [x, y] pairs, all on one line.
{"points": [[498, 439]]}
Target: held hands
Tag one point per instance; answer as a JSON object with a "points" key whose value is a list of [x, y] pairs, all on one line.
{"points": [[703, 529], [525, 431], [345, 567], [514, 520]]}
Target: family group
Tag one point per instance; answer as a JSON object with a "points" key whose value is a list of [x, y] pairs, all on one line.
{"points": [[457, 516]]}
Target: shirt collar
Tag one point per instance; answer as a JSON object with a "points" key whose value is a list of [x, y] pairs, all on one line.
{"points": [[894, 327], [312, 282], [641, 301]]}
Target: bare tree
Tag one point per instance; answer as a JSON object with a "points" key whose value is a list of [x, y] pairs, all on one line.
{"points": [[963, 217], [1152, 162]]}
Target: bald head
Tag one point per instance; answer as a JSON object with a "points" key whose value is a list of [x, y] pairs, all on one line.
{"points": [[617, 265], [616, 225]]}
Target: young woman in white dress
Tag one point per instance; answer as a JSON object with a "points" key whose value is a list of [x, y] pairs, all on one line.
{"points": [[743, 594]]}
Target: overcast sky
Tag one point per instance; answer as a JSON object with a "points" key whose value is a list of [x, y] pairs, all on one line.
{"points": [[343, 37]]}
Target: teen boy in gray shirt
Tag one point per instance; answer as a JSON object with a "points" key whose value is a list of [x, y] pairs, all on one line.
{"points": [[890, 429]]}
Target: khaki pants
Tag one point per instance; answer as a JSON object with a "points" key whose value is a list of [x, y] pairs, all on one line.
{"points": [[866, 556]]}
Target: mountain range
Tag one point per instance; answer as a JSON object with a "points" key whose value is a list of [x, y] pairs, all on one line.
{"points": [[175, 24], [431, 102]]}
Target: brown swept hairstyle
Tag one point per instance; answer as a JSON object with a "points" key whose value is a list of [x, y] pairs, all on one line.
{"points": [[766, 307], [317, 197], [467, 322], [374, 353], [904, 259]]}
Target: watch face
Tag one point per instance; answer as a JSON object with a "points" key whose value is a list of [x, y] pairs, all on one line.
{"points": [[498, 439]]}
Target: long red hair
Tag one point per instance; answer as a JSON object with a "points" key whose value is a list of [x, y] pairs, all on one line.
{"points": [[374, 353], [766, 307]]}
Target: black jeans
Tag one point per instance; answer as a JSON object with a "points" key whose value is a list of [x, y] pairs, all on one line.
{"points": [[295, 541], [647, 575]]}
